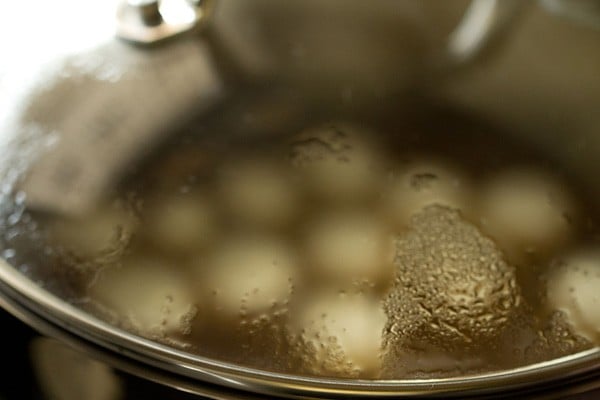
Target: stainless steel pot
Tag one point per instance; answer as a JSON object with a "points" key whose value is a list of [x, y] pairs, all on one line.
{"points": [[73, 98]]}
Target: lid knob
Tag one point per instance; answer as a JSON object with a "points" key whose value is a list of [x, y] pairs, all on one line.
{"points": [[146, 22]]}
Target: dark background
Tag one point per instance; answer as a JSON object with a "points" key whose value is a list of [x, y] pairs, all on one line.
{"points": [[18, 381]]}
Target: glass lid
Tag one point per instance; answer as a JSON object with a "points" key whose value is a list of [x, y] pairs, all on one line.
{"points": [[322, 231]]}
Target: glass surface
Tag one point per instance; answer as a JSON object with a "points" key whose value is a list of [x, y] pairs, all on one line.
{"points": [[342, 217]]}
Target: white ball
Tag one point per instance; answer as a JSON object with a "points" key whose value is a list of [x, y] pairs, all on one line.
{"points": [[106, 229], [248, 274], [148, 293], [259, 192], [337, 162], [526, 211], [425, 183], [574, 288], [350, 246], [182, 223], [343, 329]]}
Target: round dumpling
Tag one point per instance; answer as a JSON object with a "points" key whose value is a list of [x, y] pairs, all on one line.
{"points": [[573, 287], [147, 293], [423, 184], [248, 275], [349, 246], [338, 163], [259, 192], [181, 223], [526, 211], [106, 229], [343, 333]]}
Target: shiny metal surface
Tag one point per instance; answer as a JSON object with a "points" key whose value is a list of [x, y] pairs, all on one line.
{"points": [[483, 21], [565, 376], [147, 22], [150, 21], [54, 317]]}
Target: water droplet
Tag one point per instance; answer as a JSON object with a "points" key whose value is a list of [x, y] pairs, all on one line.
{"points": [[7, 254]]}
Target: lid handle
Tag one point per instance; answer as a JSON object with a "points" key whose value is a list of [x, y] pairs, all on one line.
{"points": [[150, 21]]}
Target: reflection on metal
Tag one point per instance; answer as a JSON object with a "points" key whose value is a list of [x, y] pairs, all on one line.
{"points": [[151, 21], [586, 12], [54, 316], [100, 134], [481, 23]]}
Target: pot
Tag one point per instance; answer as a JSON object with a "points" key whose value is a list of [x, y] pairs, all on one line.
{"points": [[88, 105]]}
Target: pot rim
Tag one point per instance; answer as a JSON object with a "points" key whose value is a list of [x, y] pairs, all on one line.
{"points": [[50, 314]]}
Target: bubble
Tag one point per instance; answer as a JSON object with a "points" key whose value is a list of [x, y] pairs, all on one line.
{"points": [[6, 188], [453, 289], [266, 343], [20, 198], [25, 269], [12, 233], [7, 254], [556, 339], [15, 217]]}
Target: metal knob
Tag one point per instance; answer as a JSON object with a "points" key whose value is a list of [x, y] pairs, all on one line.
{"points": [[151, 21]]}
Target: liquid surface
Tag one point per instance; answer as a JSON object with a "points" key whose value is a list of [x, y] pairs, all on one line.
{"points": [[379, 246]]}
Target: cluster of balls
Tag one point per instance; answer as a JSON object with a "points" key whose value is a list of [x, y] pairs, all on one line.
{"points": [[316, 234]]}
